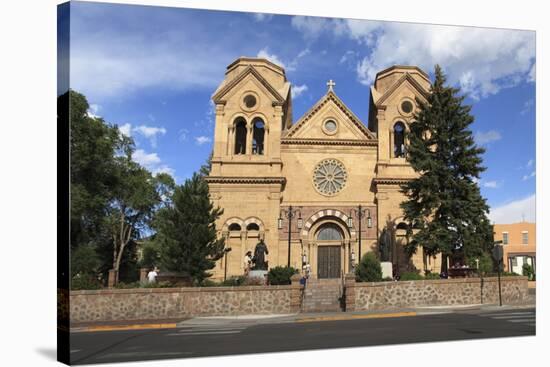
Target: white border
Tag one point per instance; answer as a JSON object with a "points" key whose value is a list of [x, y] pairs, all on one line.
{"points": [[28, 151]]}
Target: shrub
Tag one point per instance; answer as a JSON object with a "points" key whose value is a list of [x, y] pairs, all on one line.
{"points": [[485, 264], [432, 276], [85, 283], [528, 271], [411, 275], [369, 269], [280, 275], [84, 261]]}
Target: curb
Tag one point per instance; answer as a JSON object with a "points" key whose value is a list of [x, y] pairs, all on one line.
{"points": [[356, 316], [98, 328]]}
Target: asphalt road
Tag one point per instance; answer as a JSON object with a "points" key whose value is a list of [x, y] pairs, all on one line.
{"points": [[242, 337]]}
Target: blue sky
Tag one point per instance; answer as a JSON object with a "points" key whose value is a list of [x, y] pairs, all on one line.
{"points": [[152, 71]]}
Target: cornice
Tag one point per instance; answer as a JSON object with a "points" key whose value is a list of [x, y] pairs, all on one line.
{"points": [[343, 142], [245, 180], [391, 181]]}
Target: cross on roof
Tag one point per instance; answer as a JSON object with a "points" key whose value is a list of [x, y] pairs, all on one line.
{"points": [[330, 85]]}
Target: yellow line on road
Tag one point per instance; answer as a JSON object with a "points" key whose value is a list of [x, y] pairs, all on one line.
{"points": [[353, 317], [127, 327]]}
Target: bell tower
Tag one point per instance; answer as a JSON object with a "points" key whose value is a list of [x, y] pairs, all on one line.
{"points": [[253, 110]]}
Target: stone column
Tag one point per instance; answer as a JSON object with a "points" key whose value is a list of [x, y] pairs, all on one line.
{"points": [[249, 135], [296, 293], [349, 284], [143, 274], [113, 278]]}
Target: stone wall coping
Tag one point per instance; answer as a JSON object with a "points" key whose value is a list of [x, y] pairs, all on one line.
{"points": [[184, 290], [441, 281]]}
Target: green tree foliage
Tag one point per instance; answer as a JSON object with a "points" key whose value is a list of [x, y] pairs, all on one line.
{"points": [[280, 275], [186, 231], [150, 256], [132, 207], [444, 204], [484, 264], [369, 269], [93, 145], [528, 271]]}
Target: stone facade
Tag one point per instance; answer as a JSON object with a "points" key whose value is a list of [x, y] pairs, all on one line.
{"points": [[324, 166], [180, 303], [451, 292]]}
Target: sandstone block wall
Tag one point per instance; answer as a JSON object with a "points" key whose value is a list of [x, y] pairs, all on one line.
{"points": [[176, 303], [403, 294]]}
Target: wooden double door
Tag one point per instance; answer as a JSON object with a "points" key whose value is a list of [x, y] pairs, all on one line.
{"points": [[328, 261]]}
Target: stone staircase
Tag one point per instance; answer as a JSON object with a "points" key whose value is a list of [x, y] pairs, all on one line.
{"points": [[322, 295]]}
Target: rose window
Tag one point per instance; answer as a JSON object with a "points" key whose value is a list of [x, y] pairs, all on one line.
{"points": [[329, 177]]}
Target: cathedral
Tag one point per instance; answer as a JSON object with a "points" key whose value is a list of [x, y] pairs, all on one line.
{"points": [[322, 191]]}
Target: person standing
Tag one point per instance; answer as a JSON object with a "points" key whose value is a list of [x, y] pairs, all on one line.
{"points": [[152, 275], [247, 262]]}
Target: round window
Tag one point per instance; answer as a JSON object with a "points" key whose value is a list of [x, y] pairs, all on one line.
{"points": [[249, 101], [330, 177], [407, 106], [330, 126]]}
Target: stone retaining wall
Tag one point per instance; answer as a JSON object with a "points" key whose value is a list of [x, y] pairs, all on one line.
{"points": [[402, 294], [179, 303]]}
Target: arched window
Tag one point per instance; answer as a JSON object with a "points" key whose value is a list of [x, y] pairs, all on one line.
{"points": [[258, 134], [234, 227], [329, 232], [399, 140], [402, 226], [240, 136], [253, 227]]}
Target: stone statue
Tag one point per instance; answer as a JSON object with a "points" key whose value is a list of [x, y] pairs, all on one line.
{"points": [[384, 246], [259, 256]]}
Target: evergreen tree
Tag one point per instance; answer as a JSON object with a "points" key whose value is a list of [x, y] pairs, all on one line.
{"points": [[186, 231], [448, 216]]}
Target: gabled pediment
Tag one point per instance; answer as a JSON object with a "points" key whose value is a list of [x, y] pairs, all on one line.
{"points": [[310, 125], [405, 80], [224, 89]]}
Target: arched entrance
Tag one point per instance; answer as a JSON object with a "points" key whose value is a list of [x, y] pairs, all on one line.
{"points": [[330, 242]]}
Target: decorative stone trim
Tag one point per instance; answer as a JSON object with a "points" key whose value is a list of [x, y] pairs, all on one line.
{"points": [[330, 96], [321, 214], [400, 81], [246, 180], [217, 98], [317, 141], [391, 181]]}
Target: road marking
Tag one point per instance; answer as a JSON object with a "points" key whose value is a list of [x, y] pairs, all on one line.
{"points": [[205, 333], [512, 317], [354, 317], [522, 320], [508, 313], [75, 350], [126, 327]]}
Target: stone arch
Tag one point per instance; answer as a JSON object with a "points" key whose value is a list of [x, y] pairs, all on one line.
{"points": [[254, 220], [230, 221], [322, 216]]}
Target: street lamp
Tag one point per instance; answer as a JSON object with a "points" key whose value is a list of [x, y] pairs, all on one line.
{"points": [[225, 251], [360, 212], [289, 214]]}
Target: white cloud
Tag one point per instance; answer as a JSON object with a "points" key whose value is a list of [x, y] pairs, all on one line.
{"points": [[264, 53], [125, 129], [93, 110], [481, 60], [288, 66], [182, 134], [261, 17], [149, 132], [152, 162], [530, 163], [146, 159], [482, 138], [297, 90], [200, 140], [348, 57], [531, 175], [491, 184], [514, 211], [532, 72]]}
